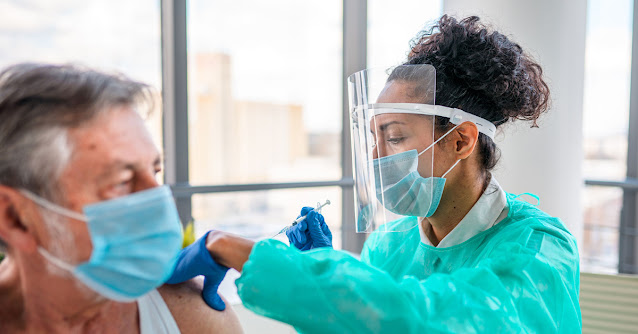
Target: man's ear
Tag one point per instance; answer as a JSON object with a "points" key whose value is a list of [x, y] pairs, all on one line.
{"points": [[466, 139], [13, 231]]}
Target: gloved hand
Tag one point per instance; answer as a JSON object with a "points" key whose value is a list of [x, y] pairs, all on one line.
{"points": [[312, 232], [195, 260]]}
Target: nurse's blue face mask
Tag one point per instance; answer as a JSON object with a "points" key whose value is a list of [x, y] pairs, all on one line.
{"points": [[136, 240], [401, 188]]}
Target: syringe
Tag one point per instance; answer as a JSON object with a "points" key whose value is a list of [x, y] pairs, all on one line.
{"points": [[298, 220]]}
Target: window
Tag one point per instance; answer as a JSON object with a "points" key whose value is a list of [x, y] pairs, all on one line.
{"points": [[264, 112], [262, 214], [111, 35], [264, 91], [605, 120], [265, 106]]}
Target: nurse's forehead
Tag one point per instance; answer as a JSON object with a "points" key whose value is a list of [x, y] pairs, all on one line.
{"points": [[399, 91], [383, 120], [404, 123], [399, 118]]}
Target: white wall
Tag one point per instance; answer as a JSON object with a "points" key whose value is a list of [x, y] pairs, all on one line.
{"points": [[546, 161]]}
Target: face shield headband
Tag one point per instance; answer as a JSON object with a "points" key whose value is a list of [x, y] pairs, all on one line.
{"points": [[456, 116]]}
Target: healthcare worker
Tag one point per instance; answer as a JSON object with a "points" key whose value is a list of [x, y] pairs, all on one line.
{"points": [[450, 252]]}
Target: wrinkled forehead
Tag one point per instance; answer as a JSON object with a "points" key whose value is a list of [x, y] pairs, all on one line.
{"points": [[116, 135], [115, 125]]}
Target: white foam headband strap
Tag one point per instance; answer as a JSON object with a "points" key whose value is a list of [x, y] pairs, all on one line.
{"points": [[456, 116]]}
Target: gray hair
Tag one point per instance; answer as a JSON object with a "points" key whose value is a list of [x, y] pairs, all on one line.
{"points": [[38, 104]]}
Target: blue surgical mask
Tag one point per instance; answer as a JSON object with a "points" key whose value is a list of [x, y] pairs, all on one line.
{"points": [[136, 240], [401, 188]]}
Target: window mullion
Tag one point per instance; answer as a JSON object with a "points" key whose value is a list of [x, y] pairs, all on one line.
{"points": [[627, 252], [355, 52], [175, 99]]}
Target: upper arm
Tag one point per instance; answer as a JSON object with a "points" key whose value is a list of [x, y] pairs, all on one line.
{"points": [[191, 313]]}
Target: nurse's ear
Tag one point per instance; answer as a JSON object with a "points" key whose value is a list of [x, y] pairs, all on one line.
{"points": [[465, 139], [13, 231]]}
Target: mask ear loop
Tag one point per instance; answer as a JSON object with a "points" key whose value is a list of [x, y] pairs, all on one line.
{"points": [[55, 261], [456, 163], [52, 207], [61, 211], [443, 136]]}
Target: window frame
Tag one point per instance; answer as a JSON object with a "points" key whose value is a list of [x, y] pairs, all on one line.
{"points": [[628, 229], [175, 115]]}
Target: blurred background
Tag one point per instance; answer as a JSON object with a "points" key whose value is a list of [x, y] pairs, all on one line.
{"points": [[254, 124]]}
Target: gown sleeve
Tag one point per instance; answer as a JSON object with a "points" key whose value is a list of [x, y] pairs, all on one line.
{"points": [[529, 287]]}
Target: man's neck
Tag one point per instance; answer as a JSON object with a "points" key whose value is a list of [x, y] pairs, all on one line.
{"points": [[36, 301]]}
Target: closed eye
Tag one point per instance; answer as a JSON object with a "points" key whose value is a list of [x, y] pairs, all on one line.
{"points": [[396, 140]]}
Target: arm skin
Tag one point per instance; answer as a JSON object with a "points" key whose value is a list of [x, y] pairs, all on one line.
{"points": [[191, 313], [229, 250]]}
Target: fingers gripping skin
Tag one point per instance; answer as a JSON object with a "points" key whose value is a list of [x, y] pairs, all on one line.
{"points": [[196, 260], [209, 292]]}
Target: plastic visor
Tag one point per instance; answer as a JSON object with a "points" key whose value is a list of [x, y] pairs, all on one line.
{"points": [[392, 120]]}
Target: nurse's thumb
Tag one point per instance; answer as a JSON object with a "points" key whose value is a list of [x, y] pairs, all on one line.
{"points": [[211, 297]]}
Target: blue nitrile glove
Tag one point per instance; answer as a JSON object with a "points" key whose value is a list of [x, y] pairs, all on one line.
{"points": [[312, 232], [195, 260]]}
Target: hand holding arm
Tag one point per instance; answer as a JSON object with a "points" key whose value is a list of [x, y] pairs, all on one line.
{"points": [[195, 260]]}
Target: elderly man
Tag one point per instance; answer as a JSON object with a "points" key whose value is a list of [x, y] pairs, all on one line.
{"points": [[88, 231]]}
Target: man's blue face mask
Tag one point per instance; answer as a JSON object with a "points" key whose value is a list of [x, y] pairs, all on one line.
{"points": [[136, 240], [401, 188]]}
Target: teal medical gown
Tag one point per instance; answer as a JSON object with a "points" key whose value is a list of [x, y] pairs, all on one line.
{"points": [[520, 276]]}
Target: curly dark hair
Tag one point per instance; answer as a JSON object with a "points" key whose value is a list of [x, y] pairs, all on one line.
{"points": [[481, 72]]}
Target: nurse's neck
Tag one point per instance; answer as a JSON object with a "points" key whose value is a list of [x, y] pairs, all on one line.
{"points": [[463, 188]]}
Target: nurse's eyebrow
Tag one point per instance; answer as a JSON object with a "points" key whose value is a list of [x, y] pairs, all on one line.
{"points": [[382, 127]]}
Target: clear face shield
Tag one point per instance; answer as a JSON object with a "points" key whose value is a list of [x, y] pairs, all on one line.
{"points": [[392, 123]]}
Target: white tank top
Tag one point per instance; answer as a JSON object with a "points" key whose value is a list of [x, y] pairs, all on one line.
{"points": [[155, 317]]}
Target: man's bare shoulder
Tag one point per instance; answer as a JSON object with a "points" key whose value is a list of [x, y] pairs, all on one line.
{"points": [[191, 312]]}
